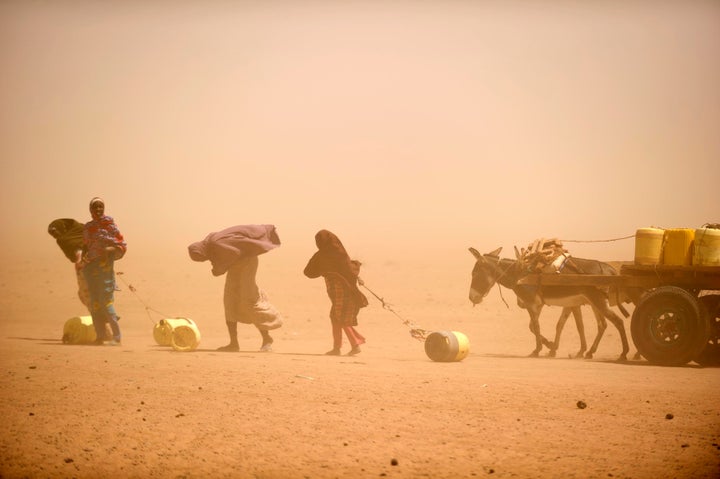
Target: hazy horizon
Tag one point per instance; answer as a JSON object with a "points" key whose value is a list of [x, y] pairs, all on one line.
{"points": [[409, 129]]}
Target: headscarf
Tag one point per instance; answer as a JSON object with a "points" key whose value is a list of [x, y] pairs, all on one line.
{"points": [[68, 234], [94, 214], [331, 258], [225, 248]]}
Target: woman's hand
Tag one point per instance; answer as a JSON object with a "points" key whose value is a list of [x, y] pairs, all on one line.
{"points": [[110, 252], [113, 252]]}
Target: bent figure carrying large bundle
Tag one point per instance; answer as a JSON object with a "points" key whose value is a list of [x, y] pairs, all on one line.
{"points": [[235, 251]]}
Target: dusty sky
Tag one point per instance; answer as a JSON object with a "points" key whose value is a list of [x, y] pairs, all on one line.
{"points": [[408, 128]]}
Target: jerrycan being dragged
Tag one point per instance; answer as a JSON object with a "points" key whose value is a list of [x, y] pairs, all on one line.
{"points": [[79, 330], [180, 333], [447, 346]]}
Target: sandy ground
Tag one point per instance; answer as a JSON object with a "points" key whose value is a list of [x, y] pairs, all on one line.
{"points": [[141, 410]]}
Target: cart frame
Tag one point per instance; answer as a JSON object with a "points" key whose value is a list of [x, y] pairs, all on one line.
{"points": [[677, 308]]}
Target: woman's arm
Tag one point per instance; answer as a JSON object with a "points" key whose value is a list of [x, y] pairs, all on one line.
{"points": [[114, 252]]}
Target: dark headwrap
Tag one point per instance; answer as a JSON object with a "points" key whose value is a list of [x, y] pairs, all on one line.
{"points": [[331, 258], [224, 248], [69, 236]]}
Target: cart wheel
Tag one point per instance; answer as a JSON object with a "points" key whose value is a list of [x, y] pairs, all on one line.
{"points": [[669, 327], [710, 355]]}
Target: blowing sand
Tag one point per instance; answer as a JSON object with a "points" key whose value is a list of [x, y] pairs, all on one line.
{"points": [[145, 411]]}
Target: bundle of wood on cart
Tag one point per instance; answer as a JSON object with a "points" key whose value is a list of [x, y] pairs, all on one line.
{"points": [[543, 255]]}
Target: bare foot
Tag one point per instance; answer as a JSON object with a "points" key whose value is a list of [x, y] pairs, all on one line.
{"points": [[230, 348]]}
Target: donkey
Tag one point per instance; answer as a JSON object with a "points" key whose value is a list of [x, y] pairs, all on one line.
{"points": [[564, 315], [490, 269]]}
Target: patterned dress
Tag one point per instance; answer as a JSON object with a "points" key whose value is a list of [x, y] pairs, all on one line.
{"points": [[99, 273], [332, 262]]}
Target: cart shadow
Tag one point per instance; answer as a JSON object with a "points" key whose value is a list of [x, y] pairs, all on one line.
{"points": [[642, 362], [627, 362]]}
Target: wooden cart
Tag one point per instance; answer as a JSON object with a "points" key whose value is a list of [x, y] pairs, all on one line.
{"points": [[677, 308]]}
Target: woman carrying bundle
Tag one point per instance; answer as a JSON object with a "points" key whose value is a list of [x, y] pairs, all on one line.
{"points": [[103, 244], [235, 251]]}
